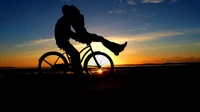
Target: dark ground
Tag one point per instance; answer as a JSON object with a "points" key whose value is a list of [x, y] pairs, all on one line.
{"points": [[164, 82]]}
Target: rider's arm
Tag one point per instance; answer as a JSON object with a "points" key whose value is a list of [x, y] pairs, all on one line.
{"points": [[73, 35]]}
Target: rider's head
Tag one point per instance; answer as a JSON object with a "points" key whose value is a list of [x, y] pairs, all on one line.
{"points": [[66, 9], [70, 10]]}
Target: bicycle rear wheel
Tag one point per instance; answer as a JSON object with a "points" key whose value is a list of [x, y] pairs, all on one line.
{"points": [[52, 63], [106, 65]]}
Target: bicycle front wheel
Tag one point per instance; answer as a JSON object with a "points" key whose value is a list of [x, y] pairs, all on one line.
{"points": [[92, 61], [52, 63]]}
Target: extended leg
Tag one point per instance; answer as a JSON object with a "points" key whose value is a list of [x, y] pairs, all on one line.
{"points": [[112, 46]]}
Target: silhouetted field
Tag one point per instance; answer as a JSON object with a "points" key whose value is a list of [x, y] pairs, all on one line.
{"points": [[169, 80]]}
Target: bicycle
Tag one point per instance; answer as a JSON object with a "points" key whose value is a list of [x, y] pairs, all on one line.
{"points": [[96, 62]]}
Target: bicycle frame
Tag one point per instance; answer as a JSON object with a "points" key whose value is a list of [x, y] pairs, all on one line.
{"points": [[82, 58]]}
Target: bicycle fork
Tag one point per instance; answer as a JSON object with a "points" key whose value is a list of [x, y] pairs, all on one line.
{"points": [[98, 65], [95, 59]]}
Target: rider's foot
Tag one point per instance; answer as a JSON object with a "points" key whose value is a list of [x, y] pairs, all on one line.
{"points": [[119, 49]]}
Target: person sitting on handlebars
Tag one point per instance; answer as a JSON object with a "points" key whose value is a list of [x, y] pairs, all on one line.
{"points": [[73, 17]]}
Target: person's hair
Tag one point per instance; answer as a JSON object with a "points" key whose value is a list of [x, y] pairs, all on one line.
{"points": [[70, 10], [65, 9]]}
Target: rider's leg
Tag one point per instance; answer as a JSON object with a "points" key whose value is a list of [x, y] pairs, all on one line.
{"points": [[112, 46], [75, 58]]}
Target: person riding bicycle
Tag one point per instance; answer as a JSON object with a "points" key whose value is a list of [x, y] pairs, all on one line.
{"points": [[73, 17]]}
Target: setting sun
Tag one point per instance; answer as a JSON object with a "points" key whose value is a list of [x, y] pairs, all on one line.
{"points": [[99, 71]]}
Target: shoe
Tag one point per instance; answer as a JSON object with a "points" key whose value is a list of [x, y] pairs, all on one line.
{"points": [[119, 49]]}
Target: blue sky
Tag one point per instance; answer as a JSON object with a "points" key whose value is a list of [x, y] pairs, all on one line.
{"points": [[156, 30]]}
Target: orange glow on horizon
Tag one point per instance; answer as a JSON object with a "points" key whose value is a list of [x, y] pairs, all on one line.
{"points": [[13, 62], [128, 56]]}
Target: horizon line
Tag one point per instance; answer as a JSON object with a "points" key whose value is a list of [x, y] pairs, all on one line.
{"points": [[166, 63]]}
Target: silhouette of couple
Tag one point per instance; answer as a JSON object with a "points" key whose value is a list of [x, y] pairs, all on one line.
{"points": [[73, 17]]}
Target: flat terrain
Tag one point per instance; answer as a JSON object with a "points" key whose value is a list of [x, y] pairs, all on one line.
{"points": [[160, 81]]}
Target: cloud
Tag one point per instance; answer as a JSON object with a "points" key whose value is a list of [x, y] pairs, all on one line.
{"points": [[134, 2], [34, 42], [145, 37], [181, 59], [154, 35], [172, 1], [144, 28], [47, 43], [178, 59], [142, 37], [118, 1], [116, 11], [192, 31], [134, 9], [121, 38], [152, 1], [198, 44], [65, 0], [131, 2], [42, 40]]}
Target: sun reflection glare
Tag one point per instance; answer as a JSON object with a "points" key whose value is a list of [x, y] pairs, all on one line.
{"points": [[99, 71]]}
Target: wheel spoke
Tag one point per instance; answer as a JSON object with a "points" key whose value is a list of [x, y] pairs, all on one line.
{"points": [[48, 63]]}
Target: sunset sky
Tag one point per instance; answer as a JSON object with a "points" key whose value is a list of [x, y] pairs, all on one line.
{"points": [[157, 31]]}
